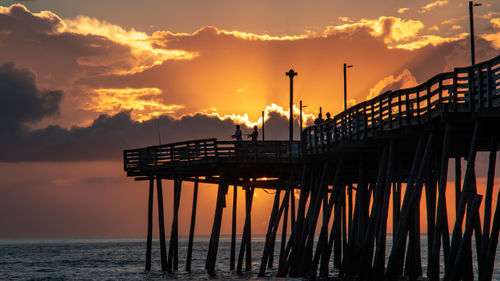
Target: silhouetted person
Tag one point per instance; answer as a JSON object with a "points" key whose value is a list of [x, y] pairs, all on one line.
{"points": [[328, 118], [319, 120], [254, 134], [237, 134]]}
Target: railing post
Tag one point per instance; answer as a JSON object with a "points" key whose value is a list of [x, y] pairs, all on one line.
{"points": [[428, 101], [471, 88], [216, 150], [389, 109], [490, 84], [455, 90]]}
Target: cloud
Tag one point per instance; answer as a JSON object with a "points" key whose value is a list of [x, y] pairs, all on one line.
{"points": [[144, 54], [403, 10], [434, 28], [433, 5], [144, 103], [107, 136], [403, 80], [494, 38], [433, 40], [21, 101], [392, 29]]}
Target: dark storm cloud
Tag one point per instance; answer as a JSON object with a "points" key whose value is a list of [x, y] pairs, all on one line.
{"points": [[108, 136], [21, 101]]}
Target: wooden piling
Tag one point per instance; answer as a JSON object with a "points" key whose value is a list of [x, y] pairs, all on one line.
{"points": [[411, 199], [173, 253], [245, 246], [161, 222], [465, 195], [482, 258], [441, 223], [249, 197], [191, 228], [214, 238], [150, 223], [233, 228], [268, 246]]}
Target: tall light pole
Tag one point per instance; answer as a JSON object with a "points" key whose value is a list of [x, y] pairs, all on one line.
{"points": [[471, 21], [291, 74], [345, 85]]}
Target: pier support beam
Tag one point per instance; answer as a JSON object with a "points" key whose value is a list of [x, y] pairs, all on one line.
{"points": [[191, 229], [150, 223], [173, 249], [161, 220], [233, 228], [214, 238]]}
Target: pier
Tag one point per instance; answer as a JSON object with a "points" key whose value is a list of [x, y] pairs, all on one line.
{"points": [[393, 150]]}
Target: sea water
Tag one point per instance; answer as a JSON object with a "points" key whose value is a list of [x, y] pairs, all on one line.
{"points": [[123, 259]]}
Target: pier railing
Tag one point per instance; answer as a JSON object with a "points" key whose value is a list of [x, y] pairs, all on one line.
{"points": [[468, 89], [207, 151]]}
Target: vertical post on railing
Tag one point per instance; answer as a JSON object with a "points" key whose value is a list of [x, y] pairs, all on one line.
{"points": [[399, 110], [428, 111], [389, 109], [418, 106], [380, 113], [480, 87], [216, 150], [455, 90], [408, 107], [490, 84], [471, 88]]}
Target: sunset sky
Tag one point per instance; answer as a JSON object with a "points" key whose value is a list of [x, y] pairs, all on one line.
{"points": [[82, 80]]}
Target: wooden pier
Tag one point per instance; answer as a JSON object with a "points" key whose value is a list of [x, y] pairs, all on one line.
{"points": [[393, 150]]}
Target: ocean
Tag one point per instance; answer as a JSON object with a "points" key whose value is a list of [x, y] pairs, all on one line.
{"points": [[123, 259]]}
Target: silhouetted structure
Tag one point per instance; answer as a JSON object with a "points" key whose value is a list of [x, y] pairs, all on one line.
{"points": [[394, 145]]}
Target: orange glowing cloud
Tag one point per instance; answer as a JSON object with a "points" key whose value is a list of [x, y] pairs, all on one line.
{"points": [[392, 29], [245, 120], [403, 80], [144, 103], [403, 10], [431, 6], [433, 40], [145, 54], [494, 38]]}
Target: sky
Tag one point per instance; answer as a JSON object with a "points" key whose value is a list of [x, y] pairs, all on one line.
{"points": [[82, 80]]}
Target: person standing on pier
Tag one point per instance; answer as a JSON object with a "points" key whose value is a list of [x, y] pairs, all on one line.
{"points": [[319, 120], [237, 134], [254, 134]]}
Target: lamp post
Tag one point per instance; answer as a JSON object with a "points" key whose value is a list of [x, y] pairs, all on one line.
{"points": [[345, 85], [291, 74], [471, 21]]}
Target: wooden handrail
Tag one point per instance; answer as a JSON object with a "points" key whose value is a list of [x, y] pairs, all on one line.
{"points": [[415, 105]]}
